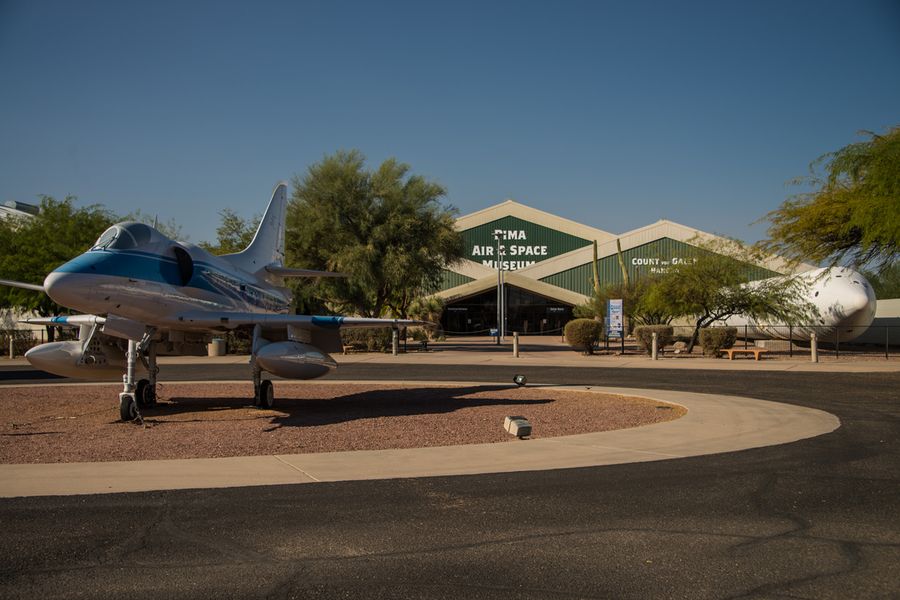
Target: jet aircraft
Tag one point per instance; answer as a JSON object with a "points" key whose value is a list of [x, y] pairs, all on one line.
{"points": [[144, 295]]}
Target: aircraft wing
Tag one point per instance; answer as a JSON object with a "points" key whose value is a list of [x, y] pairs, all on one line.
{"points": [[231, 320], [25, 286], [287, 272]]}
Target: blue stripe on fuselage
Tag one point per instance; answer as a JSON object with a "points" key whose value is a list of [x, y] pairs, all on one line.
{"points": [[164, 270], [147, 267]]}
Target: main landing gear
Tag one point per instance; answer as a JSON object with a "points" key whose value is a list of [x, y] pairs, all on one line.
{"points": [[263, 391]]}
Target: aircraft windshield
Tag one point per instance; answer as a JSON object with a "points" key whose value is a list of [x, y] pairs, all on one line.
{"points": [[124, 236], [106, 238]]}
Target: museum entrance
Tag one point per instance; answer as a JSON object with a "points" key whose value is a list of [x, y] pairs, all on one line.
{"points": [[526, 312]]}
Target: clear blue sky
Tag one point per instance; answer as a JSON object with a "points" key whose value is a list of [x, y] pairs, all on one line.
{"points": [[611, 114]]}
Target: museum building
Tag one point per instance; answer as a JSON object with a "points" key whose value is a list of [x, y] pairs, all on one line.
{"points": [[546, 264]]}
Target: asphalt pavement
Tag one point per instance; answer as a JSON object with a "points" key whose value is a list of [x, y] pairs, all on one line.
{"points": [[818, 518]]}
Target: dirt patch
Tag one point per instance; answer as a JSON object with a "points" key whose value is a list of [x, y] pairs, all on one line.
{"points": [[47, 424]]}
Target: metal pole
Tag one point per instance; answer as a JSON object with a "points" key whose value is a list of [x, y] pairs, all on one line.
{"points": [[515, 344], [813, 347], [791, 341], [655, 347], [499, 288], [746, 343], [502, 331], [887, 337], [12, 350], [395, 342]]}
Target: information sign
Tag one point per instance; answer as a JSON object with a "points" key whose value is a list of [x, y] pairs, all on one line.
{"points": [[614, 327]]}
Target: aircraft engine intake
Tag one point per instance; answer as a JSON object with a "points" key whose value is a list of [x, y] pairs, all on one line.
{"points": [[185, 264], [294, 360]]}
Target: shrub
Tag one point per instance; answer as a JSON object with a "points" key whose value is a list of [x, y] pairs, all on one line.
{"points": [[582, 334], [714, 339], [239, 341], [373, 339], [23, 340], [417, 333], [665, 335]]}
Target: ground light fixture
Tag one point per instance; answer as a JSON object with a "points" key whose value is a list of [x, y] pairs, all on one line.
{"points": [[520, 380]]}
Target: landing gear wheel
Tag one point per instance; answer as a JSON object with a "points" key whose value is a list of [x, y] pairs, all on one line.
{"points": [[127, 408], [266, 398], [145, 393]]}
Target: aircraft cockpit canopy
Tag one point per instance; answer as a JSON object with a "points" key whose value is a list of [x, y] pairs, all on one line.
{"points": [[125, 236]]}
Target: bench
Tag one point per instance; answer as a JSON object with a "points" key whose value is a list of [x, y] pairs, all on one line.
{"points": [[756, 352]]}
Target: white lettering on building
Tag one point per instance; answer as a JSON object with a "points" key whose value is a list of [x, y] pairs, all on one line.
{"points": [[508, 265], [512, 250], [660, 266]]}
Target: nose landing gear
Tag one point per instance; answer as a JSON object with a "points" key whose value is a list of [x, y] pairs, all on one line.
{"points": [[143, 393]]}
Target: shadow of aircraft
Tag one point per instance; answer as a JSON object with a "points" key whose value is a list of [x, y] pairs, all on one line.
{"points": [[394, 402]]}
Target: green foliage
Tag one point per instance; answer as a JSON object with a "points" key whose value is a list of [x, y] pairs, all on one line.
{"points": [[582, 334], [637, 304], [238, 341], [384, 228], [665, 334], [307, 298], [30, 248], [886, 282], [233, 235], [715, 286], [427, 308], [594, 308], [714, 339], [372, 339], [853, 214], [419, 334]]}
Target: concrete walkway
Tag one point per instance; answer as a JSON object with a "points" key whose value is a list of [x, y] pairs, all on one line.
{"points": [[713, 424]]}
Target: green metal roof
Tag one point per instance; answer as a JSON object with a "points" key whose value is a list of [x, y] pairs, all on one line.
{"points": [[453, 279], [647, 259]]}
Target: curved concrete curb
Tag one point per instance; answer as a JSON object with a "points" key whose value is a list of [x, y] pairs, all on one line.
{"points": [[712, 425]]}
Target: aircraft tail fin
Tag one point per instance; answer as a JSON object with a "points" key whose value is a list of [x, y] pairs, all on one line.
{"points": [[267, 247]]}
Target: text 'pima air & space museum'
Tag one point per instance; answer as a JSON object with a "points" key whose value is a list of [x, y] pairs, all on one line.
{"points": [[546, 263]]}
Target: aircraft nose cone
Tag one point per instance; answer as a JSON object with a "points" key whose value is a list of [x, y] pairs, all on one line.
{"points": [[69, 289], [858, 306], [858, 302], [58, 286]]}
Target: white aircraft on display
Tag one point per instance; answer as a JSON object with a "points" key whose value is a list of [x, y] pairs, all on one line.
{"points": [[144, 295], [842, 301]]}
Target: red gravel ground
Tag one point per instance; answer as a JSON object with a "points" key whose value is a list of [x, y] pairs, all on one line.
{"points": [[47, 424]]}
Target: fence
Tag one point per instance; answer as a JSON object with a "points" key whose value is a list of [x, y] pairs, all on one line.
{"points": [[866, 342], [793, 341], [16, 342]]}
